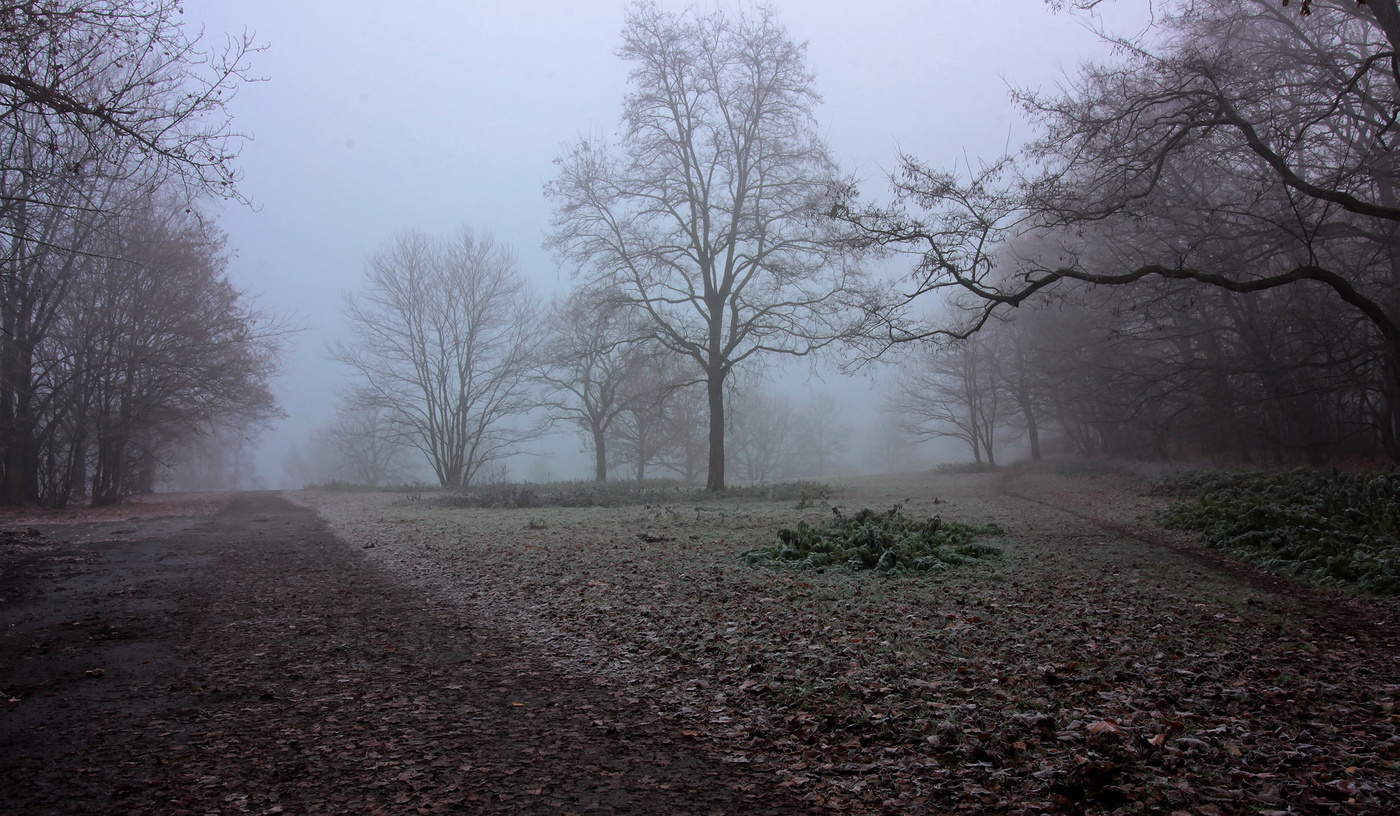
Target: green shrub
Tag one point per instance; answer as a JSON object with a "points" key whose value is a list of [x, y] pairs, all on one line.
{"points": [[871, 540], [1330, 528]]}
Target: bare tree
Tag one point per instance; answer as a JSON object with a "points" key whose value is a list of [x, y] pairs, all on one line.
{"points": [[709, 215], [116, 89], [889, 447], [368, 446], [949, 389], [651, 398], [764, 434], [311, 460], [444, 338], [221, 459], [593, 354], [821, 435], [175, 351], [1236, 146], [687, 438], [104, 104]]}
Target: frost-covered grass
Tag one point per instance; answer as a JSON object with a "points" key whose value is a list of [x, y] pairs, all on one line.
{"points": [[1079, 647]]}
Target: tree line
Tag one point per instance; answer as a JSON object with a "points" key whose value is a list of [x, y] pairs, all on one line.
{"points": [[122, 340], [1196, 258]]}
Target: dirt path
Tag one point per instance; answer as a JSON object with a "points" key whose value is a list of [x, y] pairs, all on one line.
{"points": [[255, 664]]}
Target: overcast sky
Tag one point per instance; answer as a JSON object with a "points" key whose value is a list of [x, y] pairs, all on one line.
{"points": [[378, 117]]}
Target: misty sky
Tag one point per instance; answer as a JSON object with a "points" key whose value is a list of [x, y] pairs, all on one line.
{"points": [[376, 117]]}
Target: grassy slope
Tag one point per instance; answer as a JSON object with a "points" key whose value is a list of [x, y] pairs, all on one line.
{"points": [[1082, 668]]}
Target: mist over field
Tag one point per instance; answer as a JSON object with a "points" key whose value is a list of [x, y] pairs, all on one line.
{"points": [[461, 126], [652, 406], [448, 245]]}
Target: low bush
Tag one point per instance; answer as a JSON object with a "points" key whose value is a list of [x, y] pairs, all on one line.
{"points": [[1330, 528], [886, 541]]}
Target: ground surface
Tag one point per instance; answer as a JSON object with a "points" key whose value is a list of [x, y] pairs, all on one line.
{"points": [[415, 658], [253, 663]]}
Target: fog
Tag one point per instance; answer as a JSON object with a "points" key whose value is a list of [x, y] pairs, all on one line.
{"points": [[375, 119]]}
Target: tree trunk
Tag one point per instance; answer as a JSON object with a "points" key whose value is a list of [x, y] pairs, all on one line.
{"points": [[20, 465], [714, 385], [1032, 429], [600, 455]]}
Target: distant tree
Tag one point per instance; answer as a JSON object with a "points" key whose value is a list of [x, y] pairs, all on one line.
{"points": [[651, 398], [444, 338], [889, 447], [687, 438], [822, 438], [764, 434], [950, 389], [221, 459], [311, 460], [709, 216], [369, 447], [594, 352]]}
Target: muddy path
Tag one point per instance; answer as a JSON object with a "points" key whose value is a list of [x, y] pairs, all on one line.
{"points": [[253, 663]]}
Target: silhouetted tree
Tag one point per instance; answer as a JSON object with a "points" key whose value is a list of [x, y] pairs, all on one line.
{"points": [[444, 337], [709, 216], [594, 353], [1235, 146]]}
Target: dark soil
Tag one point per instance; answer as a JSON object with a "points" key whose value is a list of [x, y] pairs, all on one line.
{"points": [[253, 663]]}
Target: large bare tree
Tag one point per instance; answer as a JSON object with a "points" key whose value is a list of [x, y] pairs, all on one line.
{"points": [[444, 334], [709, 214], [1237, 145]]}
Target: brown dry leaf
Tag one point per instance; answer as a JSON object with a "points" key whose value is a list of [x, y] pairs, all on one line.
{"points": [[1104, 727]]}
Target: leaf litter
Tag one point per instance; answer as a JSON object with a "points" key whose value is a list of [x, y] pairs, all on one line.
{"points": [[1088, 669]]}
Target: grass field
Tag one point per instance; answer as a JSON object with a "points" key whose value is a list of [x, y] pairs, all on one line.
{"points": [[1099, 662]]}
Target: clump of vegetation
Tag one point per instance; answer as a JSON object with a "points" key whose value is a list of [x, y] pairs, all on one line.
{"points": [[621, 494], [1330, 528], [886, 541]]}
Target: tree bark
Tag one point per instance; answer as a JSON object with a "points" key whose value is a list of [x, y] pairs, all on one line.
{"points": [[714, 385], [600, 455]]}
